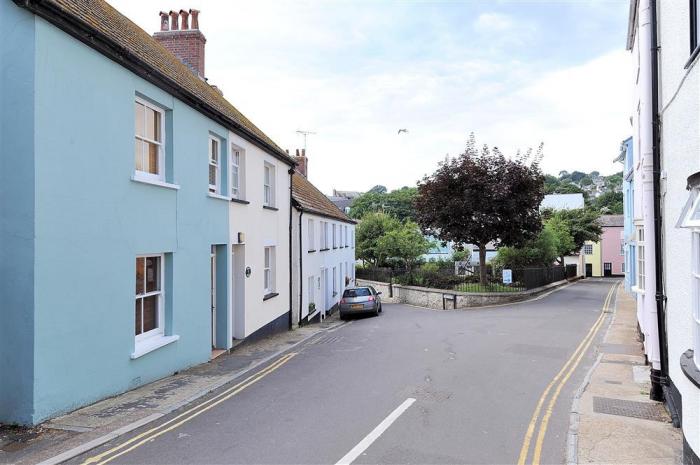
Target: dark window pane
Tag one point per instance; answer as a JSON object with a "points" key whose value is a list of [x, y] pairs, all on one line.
{"points": [[152, 274], [139, 276], [361, 292], [153, 152], [138, 317], [150, 313]]}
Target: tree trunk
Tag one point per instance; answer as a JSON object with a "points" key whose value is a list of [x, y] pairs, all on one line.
{"points": [[483, 279]]}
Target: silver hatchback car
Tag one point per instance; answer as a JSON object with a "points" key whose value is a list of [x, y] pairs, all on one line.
{"points": [[362, 299]]}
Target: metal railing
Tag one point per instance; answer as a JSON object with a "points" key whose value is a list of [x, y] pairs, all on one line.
{"points": [[522, 279]]}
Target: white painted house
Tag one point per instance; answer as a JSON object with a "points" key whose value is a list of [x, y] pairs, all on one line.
{"points": [[664, 41], [260, 237], [323, 250]]}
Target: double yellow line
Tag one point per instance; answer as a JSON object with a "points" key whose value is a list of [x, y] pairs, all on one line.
{"points": [[186, 416], [559, 380]]}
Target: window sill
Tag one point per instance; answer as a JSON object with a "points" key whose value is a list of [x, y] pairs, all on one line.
{"points": [[218, 196], [244, 202], [323, 250], [270, 296], [311, 251], [136, 178], [151, 344], [690, 370], [267, 207]]}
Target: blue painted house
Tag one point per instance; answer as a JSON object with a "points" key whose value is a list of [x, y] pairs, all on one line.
{"points": [[627, 159], [137, 207]]}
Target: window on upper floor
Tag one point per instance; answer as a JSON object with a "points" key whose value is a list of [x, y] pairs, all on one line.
{"points": [[311, 246], [347, 241], [149, 132], [335, 241], [268, 185], [588, 249], [214, 165], [237, 173], [324, 236]]}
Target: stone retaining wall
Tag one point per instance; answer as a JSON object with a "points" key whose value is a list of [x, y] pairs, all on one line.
{"points": [[439, 298]]}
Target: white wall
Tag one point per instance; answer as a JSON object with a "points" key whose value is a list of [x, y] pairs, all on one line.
{"points": [[680, 151], [315, 262], [261, 227]]}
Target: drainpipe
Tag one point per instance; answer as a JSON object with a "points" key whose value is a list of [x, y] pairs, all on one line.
{"points": [[661, 375], [648, 123], [290, 318], [301, 267]]}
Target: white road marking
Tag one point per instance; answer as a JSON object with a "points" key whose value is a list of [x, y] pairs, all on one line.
{"points": [[375, 433]]}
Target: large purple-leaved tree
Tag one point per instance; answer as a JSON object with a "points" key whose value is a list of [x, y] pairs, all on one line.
{"points": [[481, 196]]}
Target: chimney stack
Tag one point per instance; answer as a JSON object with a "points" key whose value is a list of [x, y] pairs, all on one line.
{"points": [[302, 162], [186, 42]]}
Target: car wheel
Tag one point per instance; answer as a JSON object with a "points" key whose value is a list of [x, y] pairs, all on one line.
{"points": [[380, 308], [342, 316]]}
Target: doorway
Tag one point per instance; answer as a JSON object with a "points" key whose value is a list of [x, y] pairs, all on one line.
{"points": [[589, 270], [607, 269]]}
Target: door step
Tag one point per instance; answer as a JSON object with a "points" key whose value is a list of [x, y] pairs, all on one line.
{"points": [[216, 352]]}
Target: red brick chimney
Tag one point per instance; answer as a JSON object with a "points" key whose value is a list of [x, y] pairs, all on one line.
{"points": [[184, 40], [302, 162]]}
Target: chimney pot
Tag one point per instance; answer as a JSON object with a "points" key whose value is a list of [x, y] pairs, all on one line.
{"points": [[164, 26], [173, 21], [195, 18], [184, 16]]}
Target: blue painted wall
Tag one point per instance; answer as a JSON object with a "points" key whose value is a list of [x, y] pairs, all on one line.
{"points": [[628, 206], [16, 213], [91, 221]]}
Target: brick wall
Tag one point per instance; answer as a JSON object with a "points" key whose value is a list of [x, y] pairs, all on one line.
{"points": [[187, 45]]}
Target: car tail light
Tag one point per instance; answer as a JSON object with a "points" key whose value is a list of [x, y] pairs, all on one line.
{"points": [[342, 301], [370, 298]]}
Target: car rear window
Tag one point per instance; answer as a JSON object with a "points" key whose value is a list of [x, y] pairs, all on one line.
{"points": [[362, 292]]}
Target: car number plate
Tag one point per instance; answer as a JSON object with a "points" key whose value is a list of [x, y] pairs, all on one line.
{"points": [[356, 306]]}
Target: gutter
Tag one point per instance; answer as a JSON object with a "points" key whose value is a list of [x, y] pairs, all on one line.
{"points": [[659, 378], [124, 57]]}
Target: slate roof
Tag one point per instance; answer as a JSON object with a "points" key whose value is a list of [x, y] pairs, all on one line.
{"points": [[102, 27], [309, 199], [611, 221], [341, 202]]}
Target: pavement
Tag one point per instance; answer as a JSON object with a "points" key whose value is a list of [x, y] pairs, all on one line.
{"points": [[414, 385], [114, 416], [613, 420]]}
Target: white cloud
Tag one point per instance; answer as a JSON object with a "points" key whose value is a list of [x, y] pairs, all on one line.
{"points": [[493, 22]]}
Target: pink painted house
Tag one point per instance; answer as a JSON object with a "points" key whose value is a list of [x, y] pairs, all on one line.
{"points": [[612, 245]]}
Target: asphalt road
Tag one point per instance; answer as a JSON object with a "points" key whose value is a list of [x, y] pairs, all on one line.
{"points": [[476, 377]]}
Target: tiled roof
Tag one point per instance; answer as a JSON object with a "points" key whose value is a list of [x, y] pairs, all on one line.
{"points": [[612, 221], [309, 199], [102, 27]]}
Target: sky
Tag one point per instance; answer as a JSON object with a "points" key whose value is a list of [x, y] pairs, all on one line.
{"points": [[516, 73]]}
